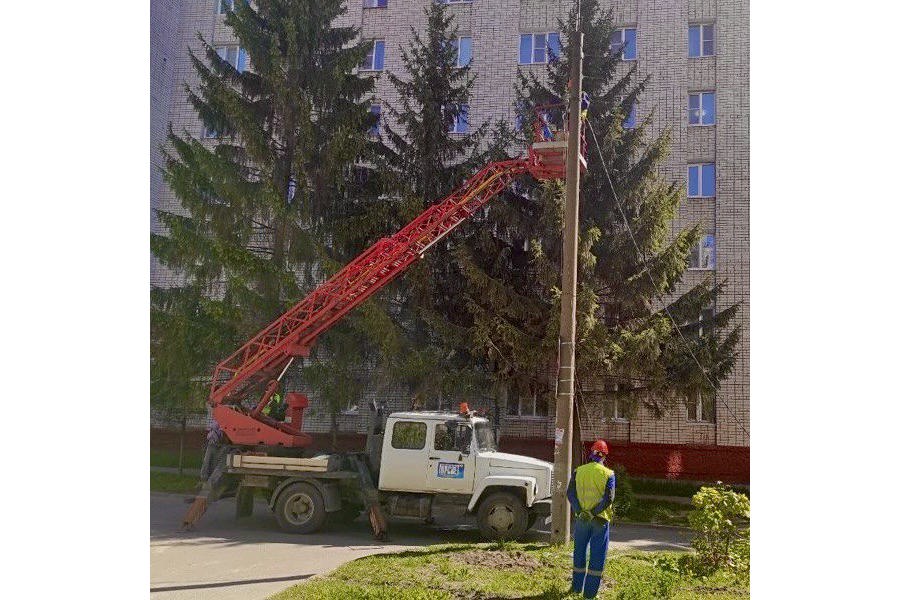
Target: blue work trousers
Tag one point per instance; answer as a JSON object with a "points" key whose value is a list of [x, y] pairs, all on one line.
{"points": [[586, 573]]}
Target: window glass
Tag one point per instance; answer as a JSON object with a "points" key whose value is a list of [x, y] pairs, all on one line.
{"points": [[464, 51], [615, 42], [553, 46], [631, 119], [540, 48], [374, 3], [484, 436], [708, 252], [629, 52], [375, 129], [408, 435], [709, 108], [379, 55], [693, 109], [443, 437], [693, 180], [709, 44], [694, 41], [525, 49], [708, 184], [461, 120]]}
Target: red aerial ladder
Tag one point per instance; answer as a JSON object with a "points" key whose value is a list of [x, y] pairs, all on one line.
{"points": [[264, 359]]}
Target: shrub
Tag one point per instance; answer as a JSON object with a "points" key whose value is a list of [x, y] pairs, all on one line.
{"points": [[624, 491], [721, 539]]}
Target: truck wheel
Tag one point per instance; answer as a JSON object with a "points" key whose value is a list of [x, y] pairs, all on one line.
{"points": [[300, 508], [244, 502], [502, 516]]}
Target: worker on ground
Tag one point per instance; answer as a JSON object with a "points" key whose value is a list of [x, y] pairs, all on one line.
{"points": [[213, 440], [591, 492]]}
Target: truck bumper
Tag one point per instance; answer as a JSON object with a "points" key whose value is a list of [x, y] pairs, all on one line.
{"points": [[541, 507]]}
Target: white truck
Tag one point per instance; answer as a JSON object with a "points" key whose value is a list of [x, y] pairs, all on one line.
{"points": [[417, 465]]}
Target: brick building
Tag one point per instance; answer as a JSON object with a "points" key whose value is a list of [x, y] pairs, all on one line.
{"points": [[697, 54]]}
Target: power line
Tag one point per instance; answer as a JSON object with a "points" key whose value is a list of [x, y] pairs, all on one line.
{"points": [[653, 283]]}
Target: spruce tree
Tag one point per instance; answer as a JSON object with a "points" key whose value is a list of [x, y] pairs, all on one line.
{"points": [[511, 263], [421, 160], [261, 206]]}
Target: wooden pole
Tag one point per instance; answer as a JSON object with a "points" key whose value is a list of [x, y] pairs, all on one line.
{"points": [[565, 389]]}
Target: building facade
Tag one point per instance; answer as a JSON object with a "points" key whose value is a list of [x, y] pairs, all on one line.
{"points": [[696, 53]]}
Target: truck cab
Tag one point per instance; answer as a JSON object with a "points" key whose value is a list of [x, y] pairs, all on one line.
{"points": [[453, 457]]}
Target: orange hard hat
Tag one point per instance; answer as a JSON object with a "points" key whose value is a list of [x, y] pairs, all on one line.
{"points": [[601, 447]]}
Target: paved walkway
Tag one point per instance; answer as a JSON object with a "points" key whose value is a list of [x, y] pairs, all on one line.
{"points": [[251, 559]]}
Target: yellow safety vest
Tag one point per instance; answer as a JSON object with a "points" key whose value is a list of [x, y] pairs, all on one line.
{"points": [[590, 485]]}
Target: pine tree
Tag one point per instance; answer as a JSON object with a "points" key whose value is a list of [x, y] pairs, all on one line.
{"points": [[511, 263], [260, 207], [421, 160]]}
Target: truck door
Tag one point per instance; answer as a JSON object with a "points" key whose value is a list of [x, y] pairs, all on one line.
{"points": [[404, 457], [451, 465]]}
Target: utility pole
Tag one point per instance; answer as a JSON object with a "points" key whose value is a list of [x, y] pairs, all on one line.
{"points": [[565, 383]]}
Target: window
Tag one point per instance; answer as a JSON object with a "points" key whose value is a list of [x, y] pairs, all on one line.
{"points": [[453, 436], [235, 55], [538, 48], [461, 120], [209, 132], [375, 58], [614, 406], [534, 403], [702, 180], [375, 129], [408, 435], [701, 41], [703, 255], [706, 322], [631, 119], [452, 1], [624, 43], [374, 3], [702, 108], [701, 410], [463, 48], [223, 6]]}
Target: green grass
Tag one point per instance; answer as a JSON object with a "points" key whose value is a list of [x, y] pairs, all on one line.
{"points": [[172, 482], [666, 487], [169, 458], [656, 512], [532, 571]]}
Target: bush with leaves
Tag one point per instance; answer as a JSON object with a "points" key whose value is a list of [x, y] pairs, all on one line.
{"points": [[720, 518], [624, 499]]}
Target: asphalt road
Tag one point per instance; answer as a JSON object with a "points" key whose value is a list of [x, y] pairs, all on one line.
{"points": [[225, 559]]}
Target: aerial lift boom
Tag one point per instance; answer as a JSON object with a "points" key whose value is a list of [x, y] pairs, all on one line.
{"points": [[264, 359]]}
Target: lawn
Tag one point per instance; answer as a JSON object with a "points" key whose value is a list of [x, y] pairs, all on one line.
{"points": [[172, 482], [657, 512], [665, 487], [489, 571], [169, 458]]}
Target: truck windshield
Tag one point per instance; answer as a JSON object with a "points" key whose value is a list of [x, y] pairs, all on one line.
{"points": [[484, 435]]}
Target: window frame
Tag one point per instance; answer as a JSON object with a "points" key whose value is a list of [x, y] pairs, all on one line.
{"points": [[703, 27], [700, 110], [208, 133], [546, 47], [531, 399], [631, 116], [698, 406], [219, 4], [456, 43], [621, 51], [700, 189], [374, 131], [374, 54], [404, 422], [375, 4], [462, 114], [700, 251], [239, 53]]}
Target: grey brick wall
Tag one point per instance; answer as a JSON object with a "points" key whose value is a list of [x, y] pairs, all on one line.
{"points": [[662, 34]]}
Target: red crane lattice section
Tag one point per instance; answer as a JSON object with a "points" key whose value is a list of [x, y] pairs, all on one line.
{"points": [[263, 357]]}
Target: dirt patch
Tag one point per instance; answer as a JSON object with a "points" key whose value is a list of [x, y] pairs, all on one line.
{"points": [[499, 559]]}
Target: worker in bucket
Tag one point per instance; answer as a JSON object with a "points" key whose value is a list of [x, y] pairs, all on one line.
{"points": [[591, 492]]}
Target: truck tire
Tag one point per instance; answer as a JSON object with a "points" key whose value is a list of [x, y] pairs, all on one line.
{"points": [[244, 502], [300, 508], [502, 516]]}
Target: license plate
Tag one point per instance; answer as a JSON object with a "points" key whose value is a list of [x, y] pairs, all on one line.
{"points": [[450, 470]]}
